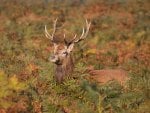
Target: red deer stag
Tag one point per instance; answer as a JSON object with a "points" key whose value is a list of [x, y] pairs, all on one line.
{"points": [[64, 63], [62, 53]]}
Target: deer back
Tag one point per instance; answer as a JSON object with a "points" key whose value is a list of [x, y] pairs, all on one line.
{"points": [[105, 75]]}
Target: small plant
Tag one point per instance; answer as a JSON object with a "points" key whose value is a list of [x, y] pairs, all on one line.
{"points": [[9, 86]]}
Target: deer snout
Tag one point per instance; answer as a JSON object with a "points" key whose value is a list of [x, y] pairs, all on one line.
{"points": [[54, 58]]}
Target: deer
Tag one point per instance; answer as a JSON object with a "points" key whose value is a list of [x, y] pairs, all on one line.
{"points": [[63, 59], [62, 54], [104, 76]]}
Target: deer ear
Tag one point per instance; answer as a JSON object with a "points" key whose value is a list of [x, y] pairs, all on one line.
{"points": [[70, 48]]}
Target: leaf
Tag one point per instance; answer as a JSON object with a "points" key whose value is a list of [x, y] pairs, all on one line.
{"points": [[32, 67], [90, 51], [100, 107], [15, 84], [5, 104], [3, 79], [13, 81]]}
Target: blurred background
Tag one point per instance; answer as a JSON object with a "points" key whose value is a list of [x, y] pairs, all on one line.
{"points": [[118, 38]]}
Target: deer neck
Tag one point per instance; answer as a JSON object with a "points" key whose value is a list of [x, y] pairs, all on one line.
{"points": [[65, 69], [68, 65]]}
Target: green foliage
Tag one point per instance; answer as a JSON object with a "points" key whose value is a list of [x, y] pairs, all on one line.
{"points": [[9, 86], [118, 37]]}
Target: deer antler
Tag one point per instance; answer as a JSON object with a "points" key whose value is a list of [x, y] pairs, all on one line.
{"points": [[84, 33], [52, 35], [82, 37], [68, 43]]}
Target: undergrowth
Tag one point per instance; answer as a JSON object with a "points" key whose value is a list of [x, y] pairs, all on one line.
{"points": [[118, 38]]}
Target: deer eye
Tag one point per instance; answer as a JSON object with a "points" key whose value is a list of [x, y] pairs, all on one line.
{"points": [[65, 53]]}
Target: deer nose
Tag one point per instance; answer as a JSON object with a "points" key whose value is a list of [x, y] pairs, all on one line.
{"points": [[53, 58]]}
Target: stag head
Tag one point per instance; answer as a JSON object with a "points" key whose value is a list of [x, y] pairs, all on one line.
{"points": [[61, 52]]}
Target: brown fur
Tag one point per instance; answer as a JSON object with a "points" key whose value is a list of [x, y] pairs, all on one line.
{"points": [[65, 69], [105, 75], [62, 52]]}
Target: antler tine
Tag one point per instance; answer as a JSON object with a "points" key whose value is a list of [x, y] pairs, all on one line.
{"points": [[84, 34], [73, 38], [65, 39], [47, 34], [80, 38], [64, 35], [54, 29]]}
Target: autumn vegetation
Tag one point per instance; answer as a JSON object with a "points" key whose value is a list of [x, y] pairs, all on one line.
{"points": [[118, 39]]}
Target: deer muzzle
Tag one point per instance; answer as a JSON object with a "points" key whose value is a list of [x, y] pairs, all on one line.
{"points": [[55, 59]]}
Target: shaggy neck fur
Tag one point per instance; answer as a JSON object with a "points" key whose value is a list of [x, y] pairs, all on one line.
{"points": [[66, 68]]}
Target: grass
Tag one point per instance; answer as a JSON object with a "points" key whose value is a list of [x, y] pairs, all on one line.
{"points": [[117, 38]]}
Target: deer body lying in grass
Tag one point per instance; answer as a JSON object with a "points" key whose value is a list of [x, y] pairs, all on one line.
{"points": [[62, 57], [105, 75]]}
